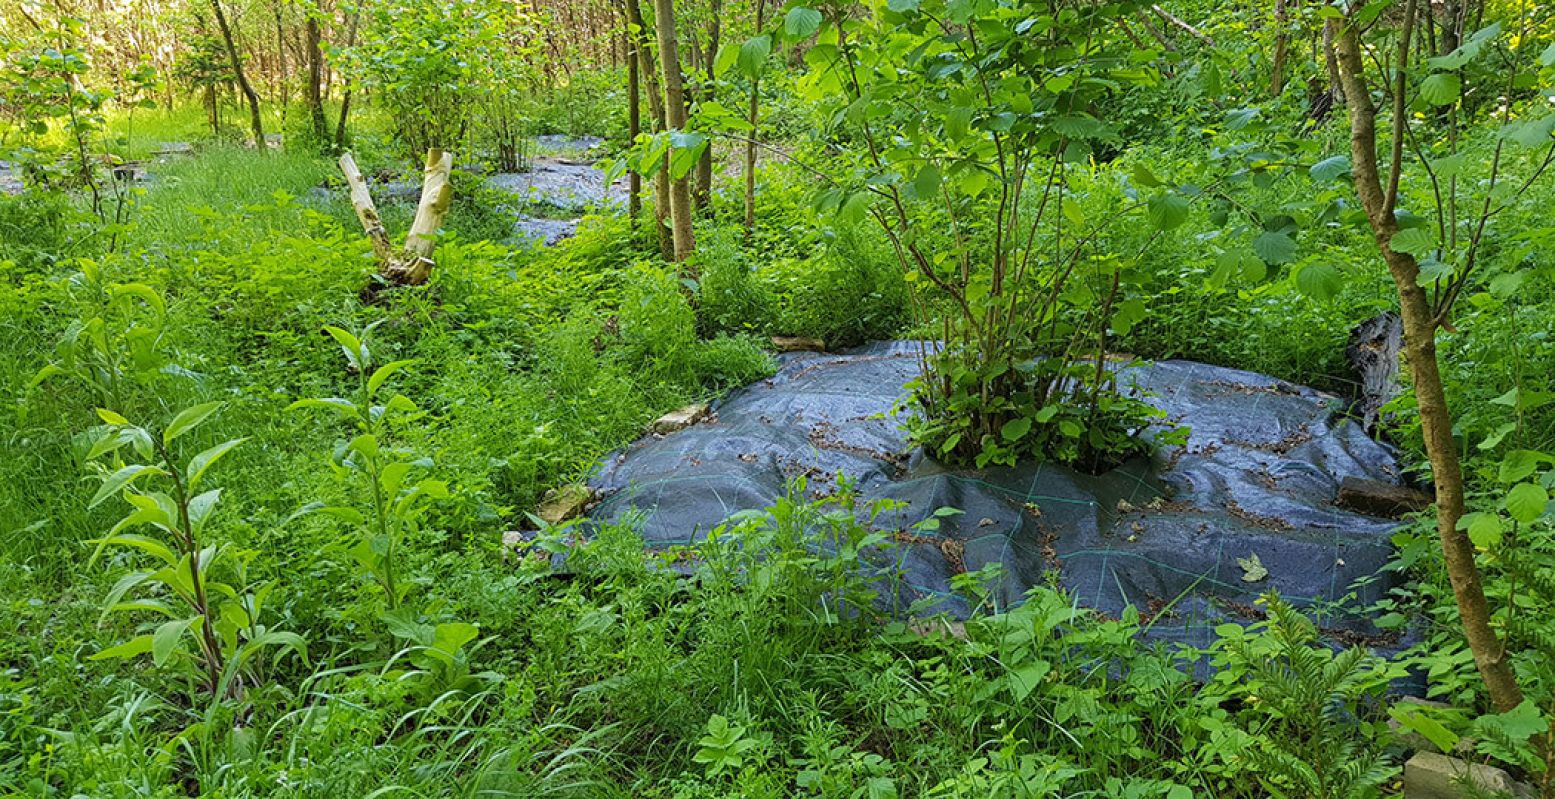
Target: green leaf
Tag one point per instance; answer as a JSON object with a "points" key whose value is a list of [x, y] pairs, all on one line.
{"points": [[1526, 501], [1128, 314], [1167, 210], [164, 641], [1015, 429], [1144, 177], [1484, 529], [139, 645], [1328, 169], [902, 6], [1530, 132], [356, 352], [801, 22], [205, 460], [1414, 241], [383, 372], [1321, 282], [1440, 89], [1025, 678], [451, 637], [926, 183], [188, 419], [1519, 464], [1275, 248], [117, 481], [725, 59], [753, 55], [1518, 724], [1414, 718]]}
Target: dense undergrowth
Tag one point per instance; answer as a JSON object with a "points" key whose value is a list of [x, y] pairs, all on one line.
{"points": [[376, 647]]}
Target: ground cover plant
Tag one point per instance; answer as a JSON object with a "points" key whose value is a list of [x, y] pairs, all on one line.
{"points": [[270, 523]]}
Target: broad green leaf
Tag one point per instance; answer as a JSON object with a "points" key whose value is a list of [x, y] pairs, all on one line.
{"points": [[1167, 210], [1412, 717], [1319, 281], [1144, 177], [1414, 241], [1025, 678], [926, 183], [1329, 169], [201, 507], [451, 637], [1520, 463], [164, 641], [1440, 89], [1484, 529], [1274, 248], [111, 418], [801, 22], [1127, 314], [1526, 501], [1531, 132], [1518, 724], [1015, 429], [143, 543], [753, 55], [725, 59]]}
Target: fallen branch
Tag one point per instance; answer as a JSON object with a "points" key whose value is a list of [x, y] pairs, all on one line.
{"points": [[413, 265], [1177, 21]]}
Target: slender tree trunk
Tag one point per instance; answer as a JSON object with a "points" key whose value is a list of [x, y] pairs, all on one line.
{"points": [[1420, 349], [750, 144], [634, 124], [1331, 61], [704, 188], [648, 72], [1281, 49], [313, 93], [674, 120], [345, 100], [255, 122]]}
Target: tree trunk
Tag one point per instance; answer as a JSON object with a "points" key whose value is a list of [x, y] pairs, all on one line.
{"points": [[1281, 49], [345, 101], [750, 143], [649, 74], [413, 266], [255, 122], [704, 187], [1430, 396], [1331, 61], [674, 120], [634, 124], [313, 95]]}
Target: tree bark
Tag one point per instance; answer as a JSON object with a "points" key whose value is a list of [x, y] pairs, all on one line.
{"points": [[313, 93], [345, 101], [649, 74], [367, 212], [1281, 49], [704, 186], [414, 264], [1420, 350], [675, 121], [750, 144], [255, 122], [634, 124]]}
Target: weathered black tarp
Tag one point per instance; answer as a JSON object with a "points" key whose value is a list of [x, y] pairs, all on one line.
{"points": [[1258, 477]]}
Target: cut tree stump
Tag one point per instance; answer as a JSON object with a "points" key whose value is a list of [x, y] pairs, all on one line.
{"points": [[413, 265], [1373, 354], [1376, 498]]}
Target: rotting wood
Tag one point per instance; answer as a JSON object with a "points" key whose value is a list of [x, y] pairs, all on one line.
{"points": [[414, 264], [1376, 498]]}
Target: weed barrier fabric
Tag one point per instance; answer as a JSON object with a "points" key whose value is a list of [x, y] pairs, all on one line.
{"points": [[1174, 534]]}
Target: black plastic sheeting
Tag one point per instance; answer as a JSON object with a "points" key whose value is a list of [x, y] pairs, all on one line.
{"points": [[1258, 477]]}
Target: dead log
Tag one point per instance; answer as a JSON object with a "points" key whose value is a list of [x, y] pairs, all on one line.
{"points": [[1373, 354], [1375, 498], [413, 265]]}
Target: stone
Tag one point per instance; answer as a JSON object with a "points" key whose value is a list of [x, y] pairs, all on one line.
{"points": [[1384, 500], [1431, 775], [562, 504], [798, 344], [679, 420]]}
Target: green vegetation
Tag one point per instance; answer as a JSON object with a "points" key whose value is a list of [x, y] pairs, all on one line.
{"points": [[258, 501]]}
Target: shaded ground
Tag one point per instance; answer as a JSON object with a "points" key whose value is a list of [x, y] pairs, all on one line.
{"points": [[1191, 536]]}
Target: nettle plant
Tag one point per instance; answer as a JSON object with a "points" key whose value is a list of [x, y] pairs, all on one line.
{"points": [[396, 499], [969, 118], [222, 615]]}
